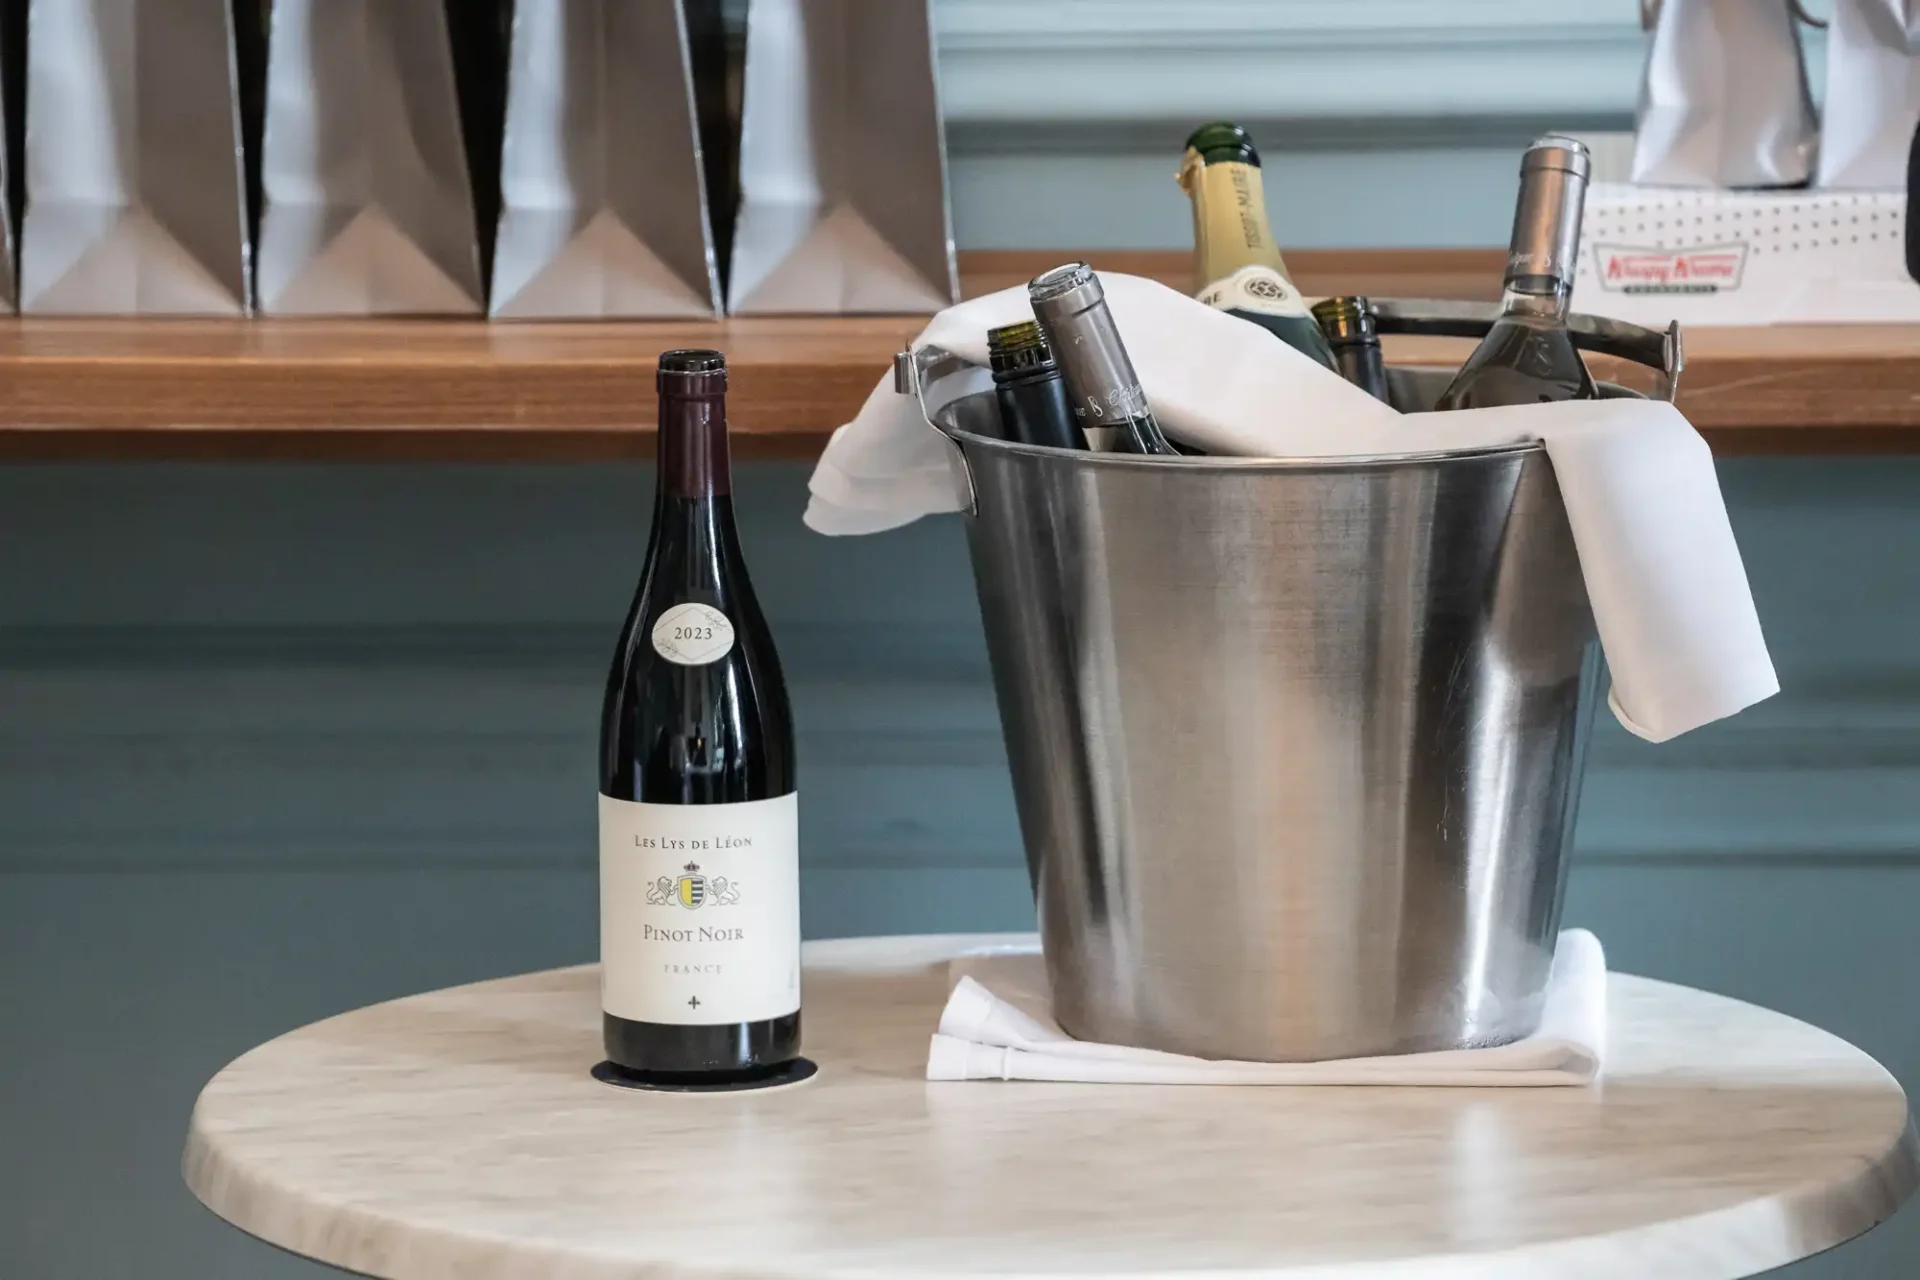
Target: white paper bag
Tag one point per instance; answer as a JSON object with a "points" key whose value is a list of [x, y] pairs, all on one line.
{"points": [[9, 67], [1724, 102], [843, 168], [1873, 93], [136, 200], [603, 207], [366, 205]]}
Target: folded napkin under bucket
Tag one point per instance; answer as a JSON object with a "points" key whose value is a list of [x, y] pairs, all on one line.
{"points": [[1296, 744]]}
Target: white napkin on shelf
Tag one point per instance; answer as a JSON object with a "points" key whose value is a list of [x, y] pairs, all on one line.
{"points": [[996, 1026], [1669, 592]]}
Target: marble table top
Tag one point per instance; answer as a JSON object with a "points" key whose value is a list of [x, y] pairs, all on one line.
{"points": [[458, 1134]]}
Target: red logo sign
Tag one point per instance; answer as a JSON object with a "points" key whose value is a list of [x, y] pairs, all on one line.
{"points": [[1708, 270]]}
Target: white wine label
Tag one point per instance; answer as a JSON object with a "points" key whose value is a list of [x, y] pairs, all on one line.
{"points": [[700, 911], [1255, 288], [693, 635]]}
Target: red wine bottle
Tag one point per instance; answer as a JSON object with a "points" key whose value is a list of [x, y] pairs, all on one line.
{"points": [[699, 868]]}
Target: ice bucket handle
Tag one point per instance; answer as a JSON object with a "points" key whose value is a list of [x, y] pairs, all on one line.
{"points": [[916, 373], [935, 376], [1659, 351]]}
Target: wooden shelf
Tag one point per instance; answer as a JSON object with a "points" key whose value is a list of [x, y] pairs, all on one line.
{"points": [[377, 390]]}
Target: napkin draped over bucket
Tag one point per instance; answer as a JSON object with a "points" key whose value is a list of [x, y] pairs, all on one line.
{"points": [[996, 1026], [1663, 573]]}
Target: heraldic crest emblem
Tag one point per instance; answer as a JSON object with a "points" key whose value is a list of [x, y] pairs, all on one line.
{"points": [[693, 890]]}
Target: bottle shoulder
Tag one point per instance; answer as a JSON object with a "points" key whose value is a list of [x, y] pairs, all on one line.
{"points": [[1522, 360], [1520, 337], [694, 558], [690, 631], [1257, 289], [716, 732], [696, 708]]}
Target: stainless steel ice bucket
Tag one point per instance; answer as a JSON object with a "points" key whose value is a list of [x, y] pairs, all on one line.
{"points": [[1296, 745]]}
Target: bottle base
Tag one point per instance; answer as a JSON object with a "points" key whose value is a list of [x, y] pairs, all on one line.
{"points": [[792, 1071], [720, 1051]]}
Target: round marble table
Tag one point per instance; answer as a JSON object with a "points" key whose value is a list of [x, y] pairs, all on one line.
{"points": [[458, 1134]]}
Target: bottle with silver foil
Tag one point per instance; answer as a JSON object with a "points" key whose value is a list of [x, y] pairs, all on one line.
{"points": [[1529, 356], [1349, 328], [1071, 306], [1030, 389]]}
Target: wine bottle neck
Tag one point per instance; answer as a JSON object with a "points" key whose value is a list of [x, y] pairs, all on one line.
{"points": [[1101, 383], [694, 459], [1546, 224], [1538, 298], [1230, 228]]}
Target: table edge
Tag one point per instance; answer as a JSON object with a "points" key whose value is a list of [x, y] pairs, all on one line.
{"points": [[1794, 1224]]}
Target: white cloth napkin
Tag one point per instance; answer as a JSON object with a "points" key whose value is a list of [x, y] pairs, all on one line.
{"points": [[996, 1027], [1669, 591]]}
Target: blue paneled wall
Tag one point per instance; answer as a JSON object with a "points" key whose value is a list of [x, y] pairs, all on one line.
{"points": [[278, 741]]}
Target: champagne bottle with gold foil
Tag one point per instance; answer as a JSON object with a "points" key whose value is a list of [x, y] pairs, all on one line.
{"points": [[1241, 272]]}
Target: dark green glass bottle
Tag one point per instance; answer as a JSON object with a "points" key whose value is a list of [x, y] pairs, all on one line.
{"points": [[1239, 264], [1349, 328], [1529, 357], [1030, 388]]}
